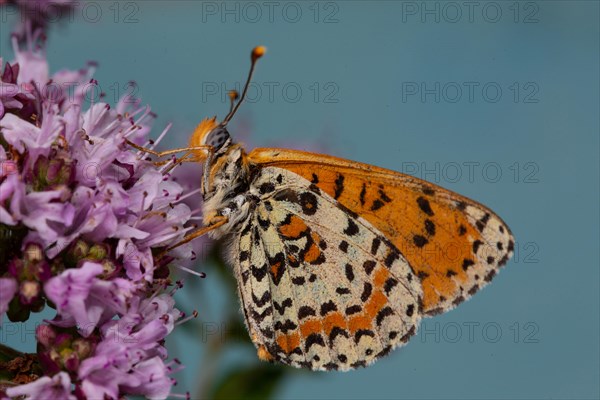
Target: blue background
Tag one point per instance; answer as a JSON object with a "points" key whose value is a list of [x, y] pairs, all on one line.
{"points": [[535, 330]]}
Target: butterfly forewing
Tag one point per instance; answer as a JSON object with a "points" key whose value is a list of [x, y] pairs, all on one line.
{"points": [[325, 290]]}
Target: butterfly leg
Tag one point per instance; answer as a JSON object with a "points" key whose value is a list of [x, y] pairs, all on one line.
{"points": [[168, 152], [215, 222]]}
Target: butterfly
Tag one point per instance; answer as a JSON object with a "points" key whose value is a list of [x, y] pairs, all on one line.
{"points": [[336, 261]]}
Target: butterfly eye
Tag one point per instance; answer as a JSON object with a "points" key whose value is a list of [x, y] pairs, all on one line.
{"points": [[217, 137]]}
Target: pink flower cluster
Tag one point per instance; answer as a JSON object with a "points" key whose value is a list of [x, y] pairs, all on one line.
{"points": [[82, 217]]}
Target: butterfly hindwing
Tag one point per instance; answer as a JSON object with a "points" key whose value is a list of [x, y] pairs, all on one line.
{"points": [[321, 287], [454, 244]]}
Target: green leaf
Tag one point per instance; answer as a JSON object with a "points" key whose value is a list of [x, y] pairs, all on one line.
{"points": [[251, 383]]}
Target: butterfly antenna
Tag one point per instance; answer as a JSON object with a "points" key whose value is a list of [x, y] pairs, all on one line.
{"points": [[257, 53], [233, 96]]}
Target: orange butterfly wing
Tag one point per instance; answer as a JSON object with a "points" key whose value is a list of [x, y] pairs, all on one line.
{"points": [[455, 245]]}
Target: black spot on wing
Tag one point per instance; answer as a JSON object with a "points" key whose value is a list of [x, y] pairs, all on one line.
{"points": [[363, 192], [420, 241], [363, 332], [353, 309], [335, 332], [467, 262], [383, 196], [384, 352], [298, 280], [490, 275], [312, 339], [511, 246], [343, 246], [264, 223], [473, 290], [367, 289], [342, 290], [352, 228], [384, 312], [281, 307], [339, 186], [328, 307], [349, 272], [259, 273], [306, 311], [377, 204], [369, 265], [246, 230], [428, 191], [264, 299], [481, 223], [259, 317], [429, 227], [331, 366], [285, 326], [375, 245], [392, 256], [308, 202], [408, 334], [389, 285], [458, 300], [424, 206], [266, 187]]}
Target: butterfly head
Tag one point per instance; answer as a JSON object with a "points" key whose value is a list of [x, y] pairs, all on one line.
{"points": [[211, 133]]}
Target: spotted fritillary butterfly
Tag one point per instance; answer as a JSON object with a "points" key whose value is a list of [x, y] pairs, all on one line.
{"points": [[336, 261]]}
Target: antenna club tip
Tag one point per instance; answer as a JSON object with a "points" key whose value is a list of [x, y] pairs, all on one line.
{"points": [[258, 52], [233, 95]]}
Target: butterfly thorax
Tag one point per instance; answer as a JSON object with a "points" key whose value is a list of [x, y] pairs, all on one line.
{"points": [[226, 188]]}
